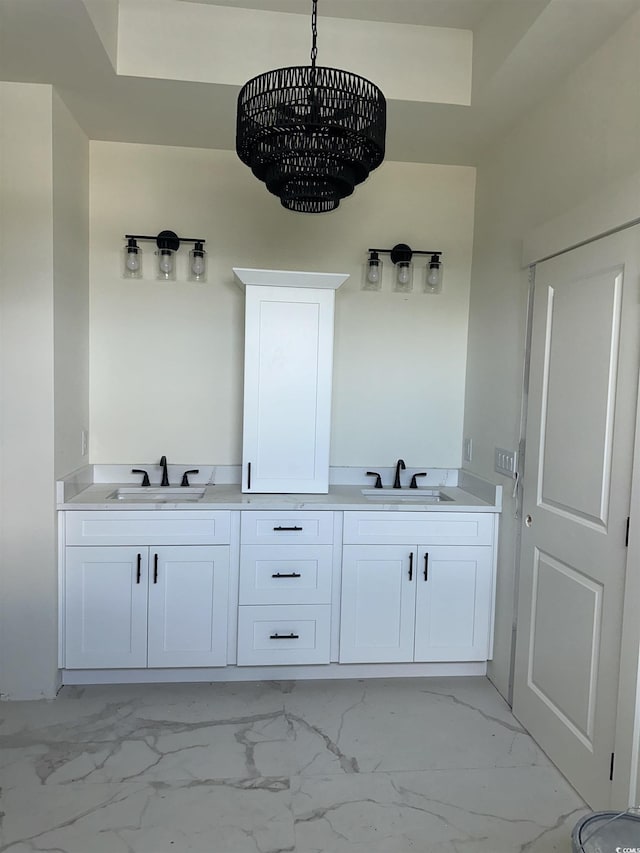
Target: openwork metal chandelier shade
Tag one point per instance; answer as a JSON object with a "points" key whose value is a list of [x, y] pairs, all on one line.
{"points": [[311, 133]]}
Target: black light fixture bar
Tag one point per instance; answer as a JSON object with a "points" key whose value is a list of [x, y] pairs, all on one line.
{"points": [[164, 235], [413, 251]]}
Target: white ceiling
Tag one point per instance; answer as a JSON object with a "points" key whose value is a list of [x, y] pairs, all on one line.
{"points": [[459, 14], [521, 49]]}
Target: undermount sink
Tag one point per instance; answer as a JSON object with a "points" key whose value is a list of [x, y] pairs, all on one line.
{"points": [[160, 494], [402, 495]]}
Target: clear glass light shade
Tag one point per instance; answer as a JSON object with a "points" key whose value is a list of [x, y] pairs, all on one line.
{"points": [[433, 275], [166, 265], [131, 260], [404, 277], [372, 273], [197, 263]]}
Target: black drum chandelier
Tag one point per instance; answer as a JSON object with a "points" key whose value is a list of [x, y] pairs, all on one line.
{"points": [[311, 133]]}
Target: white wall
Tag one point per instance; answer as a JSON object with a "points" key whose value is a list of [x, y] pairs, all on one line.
{"points": [[71, 290], [27, 509], [44, 389], [581, 139], [166, 358]]}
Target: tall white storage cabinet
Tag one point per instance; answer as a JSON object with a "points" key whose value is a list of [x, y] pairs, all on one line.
{"points": [[287, 379]]}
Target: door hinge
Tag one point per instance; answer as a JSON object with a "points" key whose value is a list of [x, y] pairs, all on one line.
{"points": [[613, 755], [626, 538]]}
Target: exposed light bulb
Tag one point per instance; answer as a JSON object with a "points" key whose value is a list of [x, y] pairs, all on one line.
{"points": [[403, 273], [434, 276], [373, 273], [133, 261], [165, 264], [197, 265]]}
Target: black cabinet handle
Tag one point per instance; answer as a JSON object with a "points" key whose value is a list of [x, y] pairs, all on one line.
{"points": [[139, 570], [411, 566], [426, 566], [155, 568], [290, 575], [287, 528], [248, 475], [277, 636]]}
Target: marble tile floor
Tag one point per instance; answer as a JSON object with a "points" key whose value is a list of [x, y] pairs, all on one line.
{"points": [[377, 766]]}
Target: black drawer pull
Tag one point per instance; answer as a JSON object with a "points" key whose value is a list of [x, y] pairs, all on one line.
{"points": [[284, 636], [290, 575], [411, 566], [426, 566], [287, 528], [139, 572], [155, 568]]}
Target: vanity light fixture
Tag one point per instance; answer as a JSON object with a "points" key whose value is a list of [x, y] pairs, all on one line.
{"points": [[167, 243], [402, 257]]}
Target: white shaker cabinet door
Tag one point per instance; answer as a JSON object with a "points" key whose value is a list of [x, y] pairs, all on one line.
{"points": [[287, 389], [378, 603], [105, 607], [188, 605], [453, 603]]}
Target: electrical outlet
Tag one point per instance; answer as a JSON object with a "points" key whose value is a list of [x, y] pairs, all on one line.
{"points": [[506, 462], [467, 450], [84, 441]]}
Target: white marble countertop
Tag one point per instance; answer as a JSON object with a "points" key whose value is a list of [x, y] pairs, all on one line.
{"points": [[470, 494]]}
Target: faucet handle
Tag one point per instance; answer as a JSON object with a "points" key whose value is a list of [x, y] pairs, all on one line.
{"points": [[145, 479], [185, 477], [414, 484], [378, 484]]}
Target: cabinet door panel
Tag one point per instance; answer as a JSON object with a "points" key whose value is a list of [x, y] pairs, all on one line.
{"points": [[453, 604], [188, 605], [105, 608], [378, 604], [287, 389]]}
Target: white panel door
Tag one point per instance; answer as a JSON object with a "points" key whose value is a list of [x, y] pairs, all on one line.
{"points": [[287, 389], [105, 607], [377, 616], [581, 424], [453, 604], [188, 605]]}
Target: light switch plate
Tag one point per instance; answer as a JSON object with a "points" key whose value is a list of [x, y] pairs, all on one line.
{"points": [[506, 462]]}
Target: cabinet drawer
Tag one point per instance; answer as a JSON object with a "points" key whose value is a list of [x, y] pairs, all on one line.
{"points": [[270, 528], [285, 574], [286, 634], [419, 528], [139, 527]]}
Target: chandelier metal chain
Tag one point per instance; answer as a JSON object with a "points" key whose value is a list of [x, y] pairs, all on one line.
{"points": [[311, 133], [314, 33]]}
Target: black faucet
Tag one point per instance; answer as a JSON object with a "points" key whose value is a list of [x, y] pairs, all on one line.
{"points": [[145, 479], [414, 482], [399, 465], [165, 475]]}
